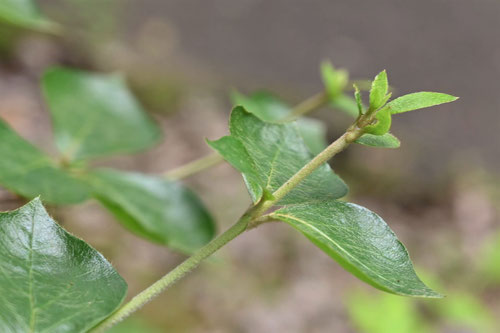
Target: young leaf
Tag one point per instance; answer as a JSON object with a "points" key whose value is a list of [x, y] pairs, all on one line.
{"points": [[51, 281], [382, 141], [334, 80], [360, 241], [418, 100], [28, 172], [159, 210], [25, 14], [378, 91], [270, 109], [359, 101], [383, 124], [269, 154], [96, 115]]}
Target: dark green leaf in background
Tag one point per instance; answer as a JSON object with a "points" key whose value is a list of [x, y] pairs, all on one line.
{"points": [[24, 14], [360, 241], [96, 115], [28, 172], [418, 100], [159, 210], [51, 281], [270, 109], [269, 154]]}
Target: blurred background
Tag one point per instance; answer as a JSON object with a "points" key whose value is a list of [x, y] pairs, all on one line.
{"points": [[440, 191]]}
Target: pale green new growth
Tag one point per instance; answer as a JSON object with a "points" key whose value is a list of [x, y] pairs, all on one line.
{"points": [[418, 100]]}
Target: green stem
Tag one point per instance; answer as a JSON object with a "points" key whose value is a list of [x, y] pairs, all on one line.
{"points": [[252, 218], [176, 274], [194, 167]]}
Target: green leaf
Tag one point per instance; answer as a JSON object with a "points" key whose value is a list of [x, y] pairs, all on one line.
{"points": [[360, 241], [335, 80], [96, 115], [51, 281], [359, 101], [270, 109], [25, 14], [418, 100], [269, 154], [346, 104], [28, 172], [382, 141], [378, 91], [383, 124], [159, 210]]}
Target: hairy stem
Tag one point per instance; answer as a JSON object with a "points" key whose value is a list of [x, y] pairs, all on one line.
{"points": [[252, 218], [173, 276]]}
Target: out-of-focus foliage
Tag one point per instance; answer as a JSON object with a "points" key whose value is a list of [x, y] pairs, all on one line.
{"points": [[25, 14]]}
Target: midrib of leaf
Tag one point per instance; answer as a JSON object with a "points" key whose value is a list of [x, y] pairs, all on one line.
{"points": [[79, 138], [30, 275], [342, 249]]}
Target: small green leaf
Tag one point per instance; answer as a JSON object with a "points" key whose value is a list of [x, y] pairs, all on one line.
{"points": [[418, 100], [346, 104], [360, 241], [96, 115], [359, 101], [382, 141], [378, 91], [270, 109], [28, 172], [383, 124], [25, 14], [269, 154], [159, 210], [335, 80], [51, 281]]}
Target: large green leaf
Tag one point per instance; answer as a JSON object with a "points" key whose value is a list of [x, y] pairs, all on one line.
{"points": [[418, 100], [360, 241], [27, 171], [25, 14], [269, 154], [96, 115], [159, 210], [51, 281], [269, 108]]}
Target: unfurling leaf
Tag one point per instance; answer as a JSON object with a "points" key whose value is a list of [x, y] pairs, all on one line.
{"points": [[378, 91], [269, 154], [51, 281], [159, 210], [418, 100], [28, 172], [383, 124], [382, 141], [335, 80], [95, 115], [360, 241]]}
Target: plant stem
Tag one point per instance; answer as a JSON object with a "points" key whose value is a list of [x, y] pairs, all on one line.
{"points": [[195, 166], [177, 273], [312, 103], [251, 218]]}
